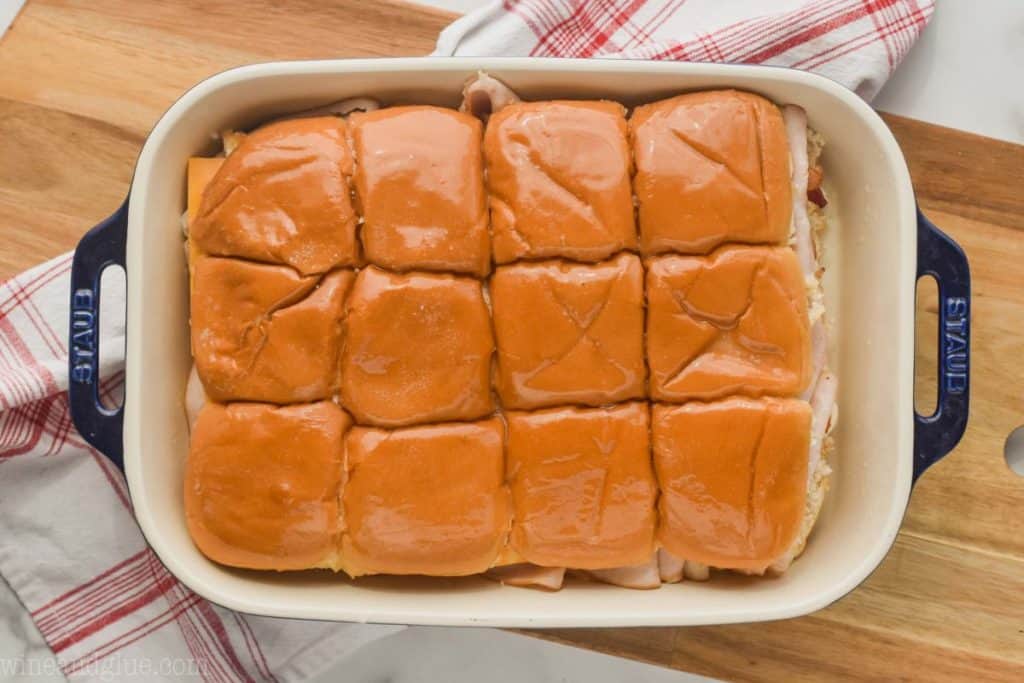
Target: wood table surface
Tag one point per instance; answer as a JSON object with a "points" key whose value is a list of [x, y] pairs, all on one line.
{"points": [[81, 83]]}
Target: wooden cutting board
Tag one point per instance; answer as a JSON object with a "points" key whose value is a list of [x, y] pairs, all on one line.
{"points": [[81, 83]]}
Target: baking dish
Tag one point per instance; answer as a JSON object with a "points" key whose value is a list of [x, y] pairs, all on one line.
{"points": [[877, 248]]}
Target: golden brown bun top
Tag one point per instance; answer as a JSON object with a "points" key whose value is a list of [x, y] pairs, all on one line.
{"points": [[283, 197], [418, 349], [569, 332], [711, 167], [265, 333], [425, 500], [558, 178], [419, 185], [734, 322], [262, 484], [733, 478], [582, 486]]}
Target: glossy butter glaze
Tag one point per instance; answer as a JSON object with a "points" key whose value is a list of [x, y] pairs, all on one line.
{"points": [[711, 167], [418, 349], [732, 476], [582, 486], [410, 350], [265, 333], [569, 333], [558, 178], [262, 484], [419, 187], [425, 500], [283, 197], [734, 322]]}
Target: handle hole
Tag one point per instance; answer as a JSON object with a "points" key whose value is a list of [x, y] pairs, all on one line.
{"points": [[1013, 451], [111, 333], [926, 343]]}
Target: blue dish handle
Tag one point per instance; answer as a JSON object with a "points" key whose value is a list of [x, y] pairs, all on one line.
{"points": [[101, 247], [940, 257]]}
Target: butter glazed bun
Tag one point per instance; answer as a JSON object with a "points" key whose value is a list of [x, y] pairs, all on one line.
{"points": [[524, 340], [569, 332], [419, 187], [266, 333], [558, 178], [283, 197], [425, 500], [734, 322], [418, 349], [582, 486], [262, 484], [711, 167], [733, 479]]}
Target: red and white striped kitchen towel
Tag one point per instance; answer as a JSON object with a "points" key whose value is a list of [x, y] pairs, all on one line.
{"points": [[69, 546], [857, 43]]}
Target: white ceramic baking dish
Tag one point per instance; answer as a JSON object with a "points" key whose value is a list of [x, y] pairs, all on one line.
{"points": [[877, 248]]}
